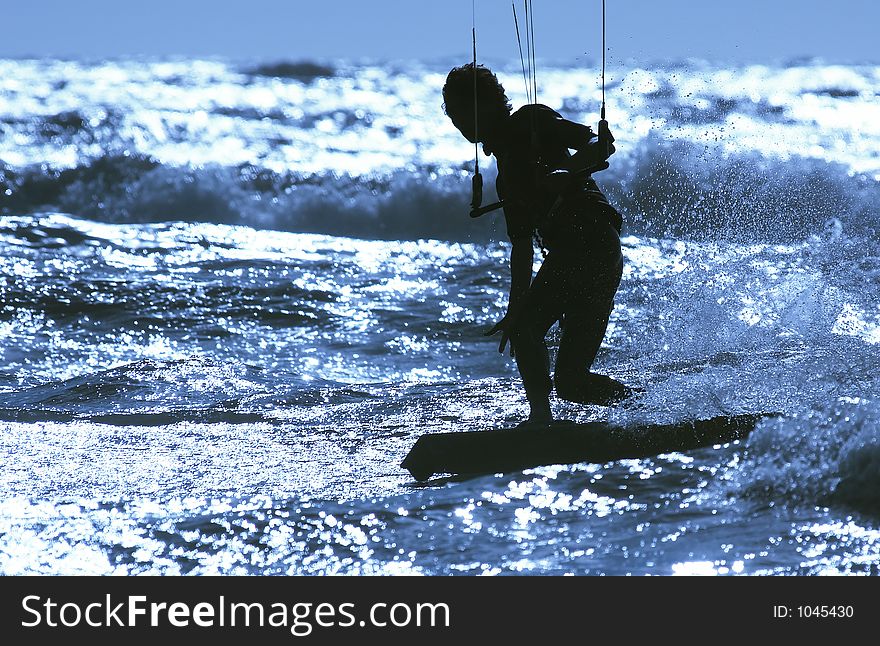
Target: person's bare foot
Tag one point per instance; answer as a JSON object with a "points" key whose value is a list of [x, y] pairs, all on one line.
{"points": [[537, 418]]}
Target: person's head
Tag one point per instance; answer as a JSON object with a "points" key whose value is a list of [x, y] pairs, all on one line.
{"points": [[493, 106]]}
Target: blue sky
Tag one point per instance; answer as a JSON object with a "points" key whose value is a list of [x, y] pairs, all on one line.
{"points": [[566, 30]]}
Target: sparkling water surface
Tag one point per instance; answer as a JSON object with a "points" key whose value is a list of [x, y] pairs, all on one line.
{"points": [[231, 301]]}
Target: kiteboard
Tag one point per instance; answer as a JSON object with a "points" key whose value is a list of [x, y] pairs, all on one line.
{"points": [[513, 449]]}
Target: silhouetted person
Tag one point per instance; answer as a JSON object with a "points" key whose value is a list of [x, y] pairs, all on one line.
{"points": [[548, 194]]}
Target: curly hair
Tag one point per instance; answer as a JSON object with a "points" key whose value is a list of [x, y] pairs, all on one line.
{"points": [[458, 91]]}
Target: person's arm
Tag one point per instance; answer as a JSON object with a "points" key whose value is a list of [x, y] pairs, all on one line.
{"points": [[522, 255], [592, 150]]}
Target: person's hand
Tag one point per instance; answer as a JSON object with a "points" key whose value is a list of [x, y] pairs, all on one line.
{"points": [[606, 139], [505, 326]]}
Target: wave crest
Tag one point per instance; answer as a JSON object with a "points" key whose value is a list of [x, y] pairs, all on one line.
{"points": [[664, 189], [823, 457]]}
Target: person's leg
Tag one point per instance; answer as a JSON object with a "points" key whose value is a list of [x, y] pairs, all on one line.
{"points": [[539, 312], [588, 308]]}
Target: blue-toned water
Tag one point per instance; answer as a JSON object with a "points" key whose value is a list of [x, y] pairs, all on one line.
{"points": [[233, 295]]}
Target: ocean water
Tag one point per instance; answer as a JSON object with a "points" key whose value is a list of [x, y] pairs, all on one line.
{"points": [[234, 294]]}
